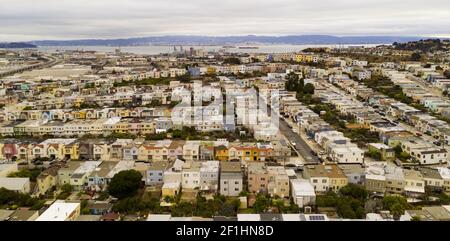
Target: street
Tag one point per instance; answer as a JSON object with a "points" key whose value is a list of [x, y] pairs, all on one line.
{"points": [[301, 147]]}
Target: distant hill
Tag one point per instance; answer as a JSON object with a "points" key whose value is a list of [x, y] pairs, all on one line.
{"points": [[208, 40], [17, 45], [427, 45]]}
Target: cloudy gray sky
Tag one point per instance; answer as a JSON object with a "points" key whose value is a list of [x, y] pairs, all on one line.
{"points": [[75, 19]]}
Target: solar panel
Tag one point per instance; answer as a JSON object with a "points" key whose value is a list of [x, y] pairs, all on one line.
{"points": [[316, 218]]}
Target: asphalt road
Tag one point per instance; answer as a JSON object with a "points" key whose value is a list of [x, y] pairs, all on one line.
{"points": [[300, 145]]}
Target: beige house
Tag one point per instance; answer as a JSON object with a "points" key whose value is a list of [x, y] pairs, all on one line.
{"points": [[432, 178], [258, 177], [278, 181], [47, 180], [65, 173], [395, 179], [171, 189], [317, 177], [326, 177], [338, 179], [415, 183], [375, 179]]}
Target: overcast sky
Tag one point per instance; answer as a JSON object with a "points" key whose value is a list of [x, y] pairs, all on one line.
{"points": [[22, 20]]}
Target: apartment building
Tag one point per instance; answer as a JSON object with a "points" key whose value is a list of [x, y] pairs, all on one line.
{"points": [[231, 178]]}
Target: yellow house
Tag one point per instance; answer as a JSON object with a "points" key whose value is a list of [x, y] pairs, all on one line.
{"points": [[303, 58], [171, 189], [337, 177], [121, 127], [78, 101], [167, 113], [124, 113], [210, 70], [148, 127], [55, 150], [47, 180], [81, 114], [145, 152], [221, 153], [71, 151], [249, 152]]}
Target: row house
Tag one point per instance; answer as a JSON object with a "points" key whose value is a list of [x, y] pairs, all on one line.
{"points": [[231, 179], [325, 177]]}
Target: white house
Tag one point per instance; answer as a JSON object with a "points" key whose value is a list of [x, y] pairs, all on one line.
{"points": [[302, 192], [61, 211], [209, 176], [190, 175], [18, 184]]}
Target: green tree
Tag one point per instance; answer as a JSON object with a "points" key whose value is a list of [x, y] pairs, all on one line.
{"points": [[67, 188], [183, 209], [84, 209], [416, 56], [301, 85], [397, 150], [292, 83], [227, 210], [345, 210], [129, 205], [10, 198], [308, 89], [232, 60], [376, 155], [396, 205], [397, 210], [355, 191], [261, 203], [30, 173], [125, 184], [447, 74], [168, 199], [185, 78]]}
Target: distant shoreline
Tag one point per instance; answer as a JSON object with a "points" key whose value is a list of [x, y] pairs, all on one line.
{"points": [[166, 49], [230, 40]]}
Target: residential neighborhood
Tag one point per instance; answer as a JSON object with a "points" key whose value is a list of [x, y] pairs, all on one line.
{"points": [[352, 133]]}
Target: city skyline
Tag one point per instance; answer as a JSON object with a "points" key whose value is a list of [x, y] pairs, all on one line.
{"points": [[26, 21]]}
